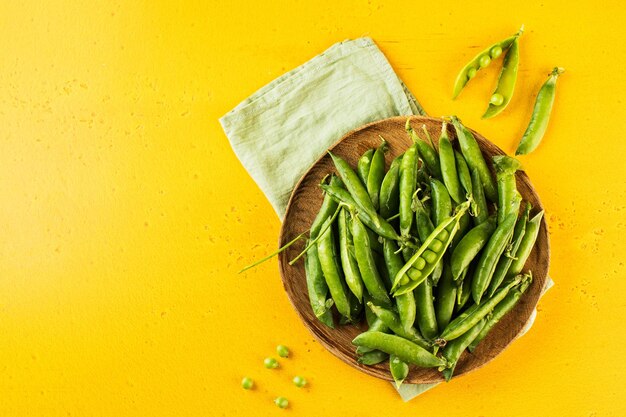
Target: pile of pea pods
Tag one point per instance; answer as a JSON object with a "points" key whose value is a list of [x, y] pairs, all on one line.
{"points": [[430, 251]]}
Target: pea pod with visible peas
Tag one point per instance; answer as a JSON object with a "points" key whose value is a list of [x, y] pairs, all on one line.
{"points": [[510, 253], [541, 114], [476, 313], [474, 158], [426, 258], [376, 173], [490, 255], [425, 227], [482, 60], [404, 349], [506, 82], [501, 309]]}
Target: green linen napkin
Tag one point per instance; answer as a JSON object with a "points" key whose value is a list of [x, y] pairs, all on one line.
{"points": [[279, 131]]}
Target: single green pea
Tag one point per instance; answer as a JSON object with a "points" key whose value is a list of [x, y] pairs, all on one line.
{"points": [[282, 351], [414, 274], [496, 51], [247, 383], [436, 245], [471, 73], [281, 402], [484, 60], [429, 256], [404, 280], [496, 99], [299, 381], [270, 363], [419, 264]]}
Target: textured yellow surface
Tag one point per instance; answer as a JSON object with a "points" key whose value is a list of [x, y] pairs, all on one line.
{"points": [[125, 215]]}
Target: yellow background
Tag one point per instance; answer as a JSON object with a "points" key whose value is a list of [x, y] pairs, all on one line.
{"points": [[125, 215]]}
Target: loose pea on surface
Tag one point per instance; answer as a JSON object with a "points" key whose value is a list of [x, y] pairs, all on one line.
{"points": [[299, 381], [270, 363], [496, 99], [484, 61], [281, 402], [282, 351], [496, 51], [247, 383]]}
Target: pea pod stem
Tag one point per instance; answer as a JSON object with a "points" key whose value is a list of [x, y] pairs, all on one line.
{"points": [[314, 241], [271, 255], [541, 114]]}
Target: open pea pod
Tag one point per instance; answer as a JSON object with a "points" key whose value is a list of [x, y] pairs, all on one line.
{"points": [[482, 60], [506, 82], [424, 261]]}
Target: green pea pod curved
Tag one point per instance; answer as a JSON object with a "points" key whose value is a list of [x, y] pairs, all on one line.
{"points": [[453, 350], [404, 302], [376, 174], [327, 254], [389, 197], [392, 321], [526, 246], [363, 166], [475, 313], [449, 166], [348, 262], [470, 246], [541, 115], [404, 349], [426, 152]]}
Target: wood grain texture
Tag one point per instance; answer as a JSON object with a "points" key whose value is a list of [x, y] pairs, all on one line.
{"points": [[305, 202]]}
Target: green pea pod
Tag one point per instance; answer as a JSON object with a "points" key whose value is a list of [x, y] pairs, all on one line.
{"points": [[399, 369], [426, 315], [404, 302], [426, 258], [378, 225], [373, 357], [329, 206], [474, 157], [442, 204], [389, 198], [363, 166], [541, 115], [317, 288], [374, 323], [376, 173], [445, 298], [501, 309], [408, 172], [464, 289], [506, 167], [392, 321], [475, 313], [453, 350], [465, 224], [465, 178], [470, 246], [449, 166], [424, 227], [481, 210], [354, 185], [367, 265], [526, 246], [348, 261], [327, 253], [511, 252], [469, 70], [490, 255], [506, 82], [426, 152], [404, 349]]}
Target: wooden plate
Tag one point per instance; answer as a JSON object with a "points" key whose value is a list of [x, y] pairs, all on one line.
{"points": [[305, 202]]}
